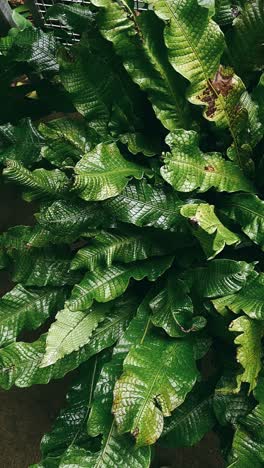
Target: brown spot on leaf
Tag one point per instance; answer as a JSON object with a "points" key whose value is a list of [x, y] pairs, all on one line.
{"points": [[209, 168], [135, 432], [221, 84]]}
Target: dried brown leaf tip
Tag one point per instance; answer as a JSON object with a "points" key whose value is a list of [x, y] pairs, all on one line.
{"points": [[221, 84]]}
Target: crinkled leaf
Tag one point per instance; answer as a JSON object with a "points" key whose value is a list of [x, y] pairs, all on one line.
{"points": [[191, 420], [249, 299], [187, 168], [219, 278], [32, 46], [249, 351], [21, 142], [230, 405], [210, 232], [41, 183], [20, 362], [138, 40], [247, 210], [172, 309], [71, 331], [70, 426], [107, 247], [26, 309], [63, 218], [248, 442], [105, 284], [104, 173], [144, 205], [246, 38], [43, 267], [157, 376], [66, 140]]}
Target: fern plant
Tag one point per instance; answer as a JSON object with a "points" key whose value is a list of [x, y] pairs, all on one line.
{"points": [[145, 261]]}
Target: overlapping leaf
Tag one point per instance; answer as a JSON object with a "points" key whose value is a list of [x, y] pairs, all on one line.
{"points": [[249, 352], [70, 218], [20, 362], [138, 40], [25, 309], [248, 299], [144, 205], [172, 309], [211, 233], [107, 247], [247, 210], [44, 267], [71, 331], [245, 39], [21, 142], [187, 168], [104, 173], [66, 140], [70, 426], [248, 442], [220, 277], [105, 284], [157, 376], [41, 183], [195, 44], [191, 420]]}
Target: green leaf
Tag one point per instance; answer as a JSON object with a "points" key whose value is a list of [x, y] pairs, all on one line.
{"points": [[26, 309], [33, 46], [70, 426], [21, 142], [248, 442], [121, 449], [70, 218], [114, 246], [158, 374], [219, 278], [71, 331], [66, 140], [230, 405], [143, 205], [113, 107], [200, 63], [105, 284], [172, 309], [20, 362], [113, 445], [249, 351], [44, 267], [138, 40], [194, 52], [73, 16], [41, 183], [226, 11], [245, 39], [191, 420], [187, 168], [247, 210], [248, 299], [210, 232], [103, 173]]}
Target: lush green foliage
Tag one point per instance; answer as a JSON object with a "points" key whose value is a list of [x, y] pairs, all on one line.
{"points": [[141, 148]]}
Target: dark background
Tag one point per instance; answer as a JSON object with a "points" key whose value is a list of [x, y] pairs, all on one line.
{"points": [[26, 414]]}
